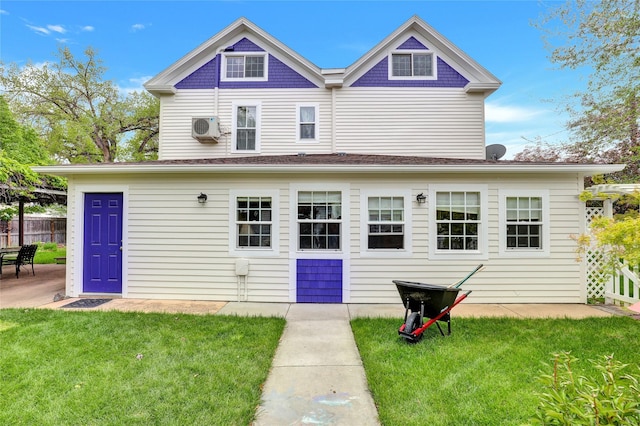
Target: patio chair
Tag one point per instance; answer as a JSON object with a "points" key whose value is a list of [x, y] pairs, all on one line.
{"points": [[24, 257]]}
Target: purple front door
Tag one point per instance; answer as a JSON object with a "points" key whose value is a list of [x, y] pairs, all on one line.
{"points": [[102, 243]]}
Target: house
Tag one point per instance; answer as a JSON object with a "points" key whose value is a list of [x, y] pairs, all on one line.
{"points": [[279, 181]]}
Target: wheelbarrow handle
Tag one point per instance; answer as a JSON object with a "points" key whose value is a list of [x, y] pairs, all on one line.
{"points": [[459, 283]]}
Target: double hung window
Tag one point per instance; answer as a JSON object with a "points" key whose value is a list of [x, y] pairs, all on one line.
{"points": [[524, 222], [385, 222], [307, 123], [246, 129], [458, 220], [254, 226], [254, 221], [319, 220], [458, 228]]}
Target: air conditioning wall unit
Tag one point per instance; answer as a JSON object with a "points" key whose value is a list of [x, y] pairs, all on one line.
{"points": [[205, 129]]}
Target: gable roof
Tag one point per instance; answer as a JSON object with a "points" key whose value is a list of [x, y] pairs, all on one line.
{"points": [[480, 80], [164, 82]]}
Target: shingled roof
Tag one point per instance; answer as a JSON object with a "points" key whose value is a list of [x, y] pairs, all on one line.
{"points": [[342, 162]]}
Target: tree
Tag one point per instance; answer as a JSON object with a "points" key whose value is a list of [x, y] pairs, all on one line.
{"points": [[83, 117], [20, 148], [602, 37], [18, 142]]}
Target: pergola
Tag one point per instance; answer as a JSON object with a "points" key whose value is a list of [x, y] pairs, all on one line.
{"points": [[42, 195], [605, 191]]}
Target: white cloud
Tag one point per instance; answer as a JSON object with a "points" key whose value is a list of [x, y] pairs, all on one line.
{"points": [[39, 30], [57, 29], [3, 12], [496, 113], [137, 27], [87, 28], [134, 85]]}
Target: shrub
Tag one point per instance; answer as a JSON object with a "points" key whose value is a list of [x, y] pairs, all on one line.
{"points": [[611, 399]]}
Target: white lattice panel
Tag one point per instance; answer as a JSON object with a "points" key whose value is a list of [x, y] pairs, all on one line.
{"points": [[594, 259]]}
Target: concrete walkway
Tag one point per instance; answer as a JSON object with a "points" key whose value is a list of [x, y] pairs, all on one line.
{"points": [[317, 376]]}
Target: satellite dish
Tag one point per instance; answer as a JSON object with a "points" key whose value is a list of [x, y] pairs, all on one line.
{"points": [[495, 151]]}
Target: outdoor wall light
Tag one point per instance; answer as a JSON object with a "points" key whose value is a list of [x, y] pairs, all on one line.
{"points": [[421, 198], [202, 198]]}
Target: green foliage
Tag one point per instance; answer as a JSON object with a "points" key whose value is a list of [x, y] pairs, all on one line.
{"points": [[617, 238], [601, 38], [85, 118], [609, 398], [9, 212]]}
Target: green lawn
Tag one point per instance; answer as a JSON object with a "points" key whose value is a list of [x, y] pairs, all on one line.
{"points": [[48, 252], [114, 368], [486, 372]]}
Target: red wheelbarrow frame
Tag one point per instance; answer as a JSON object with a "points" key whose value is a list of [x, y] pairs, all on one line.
{"points": [[433, 301], [416, 334]]}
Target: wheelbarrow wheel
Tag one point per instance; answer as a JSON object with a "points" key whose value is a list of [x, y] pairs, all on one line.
{"points": [[413, 322]]}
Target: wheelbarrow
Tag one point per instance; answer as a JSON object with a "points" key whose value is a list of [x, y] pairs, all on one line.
{"points": [[428, 301]]}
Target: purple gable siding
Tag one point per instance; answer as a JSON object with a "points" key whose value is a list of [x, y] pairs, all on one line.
{"points": [[378, 76], [204, 77], [412, 43], [246, 45], [280, 75]]}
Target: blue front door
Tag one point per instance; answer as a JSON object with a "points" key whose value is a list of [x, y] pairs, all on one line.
{"points": [[102, 267]]}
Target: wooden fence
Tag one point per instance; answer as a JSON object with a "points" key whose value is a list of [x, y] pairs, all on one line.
{"points": [[36, 229]]}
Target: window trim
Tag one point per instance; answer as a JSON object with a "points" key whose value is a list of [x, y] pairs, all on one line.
{"points": [[482, 253], [345, 230], [316, 122], [434, 62], [365, 251], [234, 130], [223, 68], [274, 250], [543, 194]]}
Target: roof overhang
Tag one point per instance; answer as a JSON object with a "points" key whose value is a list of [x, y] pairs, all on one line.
{"points": [[186, 168]]}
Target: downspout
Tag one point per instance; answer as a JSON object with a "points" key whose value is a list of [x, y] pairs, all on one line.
{"points": [[333, 121]]}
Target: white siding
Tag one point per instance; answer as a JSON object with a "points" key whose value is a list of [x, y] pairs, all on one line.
{"points": [[277, 133], [407, 121], [179, 249], [410, 121]]}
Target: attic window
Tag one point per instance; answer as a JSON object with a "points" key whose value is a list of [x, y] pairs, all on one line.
{"points": [[412, 65], [242, 67]]}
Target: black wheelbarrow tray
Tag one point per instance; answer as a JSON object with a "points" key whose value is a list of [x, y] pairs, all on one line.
{"points": [[428, 301]]}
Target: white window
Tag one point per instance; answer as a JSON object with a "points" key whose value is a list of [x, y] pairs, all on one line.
{"points": [[247, 66], [407, 64], [307, 122], [246, 127], [254, 221], [524, 223], [319, 220], [458, 215], [254, 227], [385, 221]]}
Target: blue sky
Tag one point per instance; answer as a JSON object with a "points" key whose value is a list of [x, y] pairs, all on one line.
{"points": [[138, 39]]}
